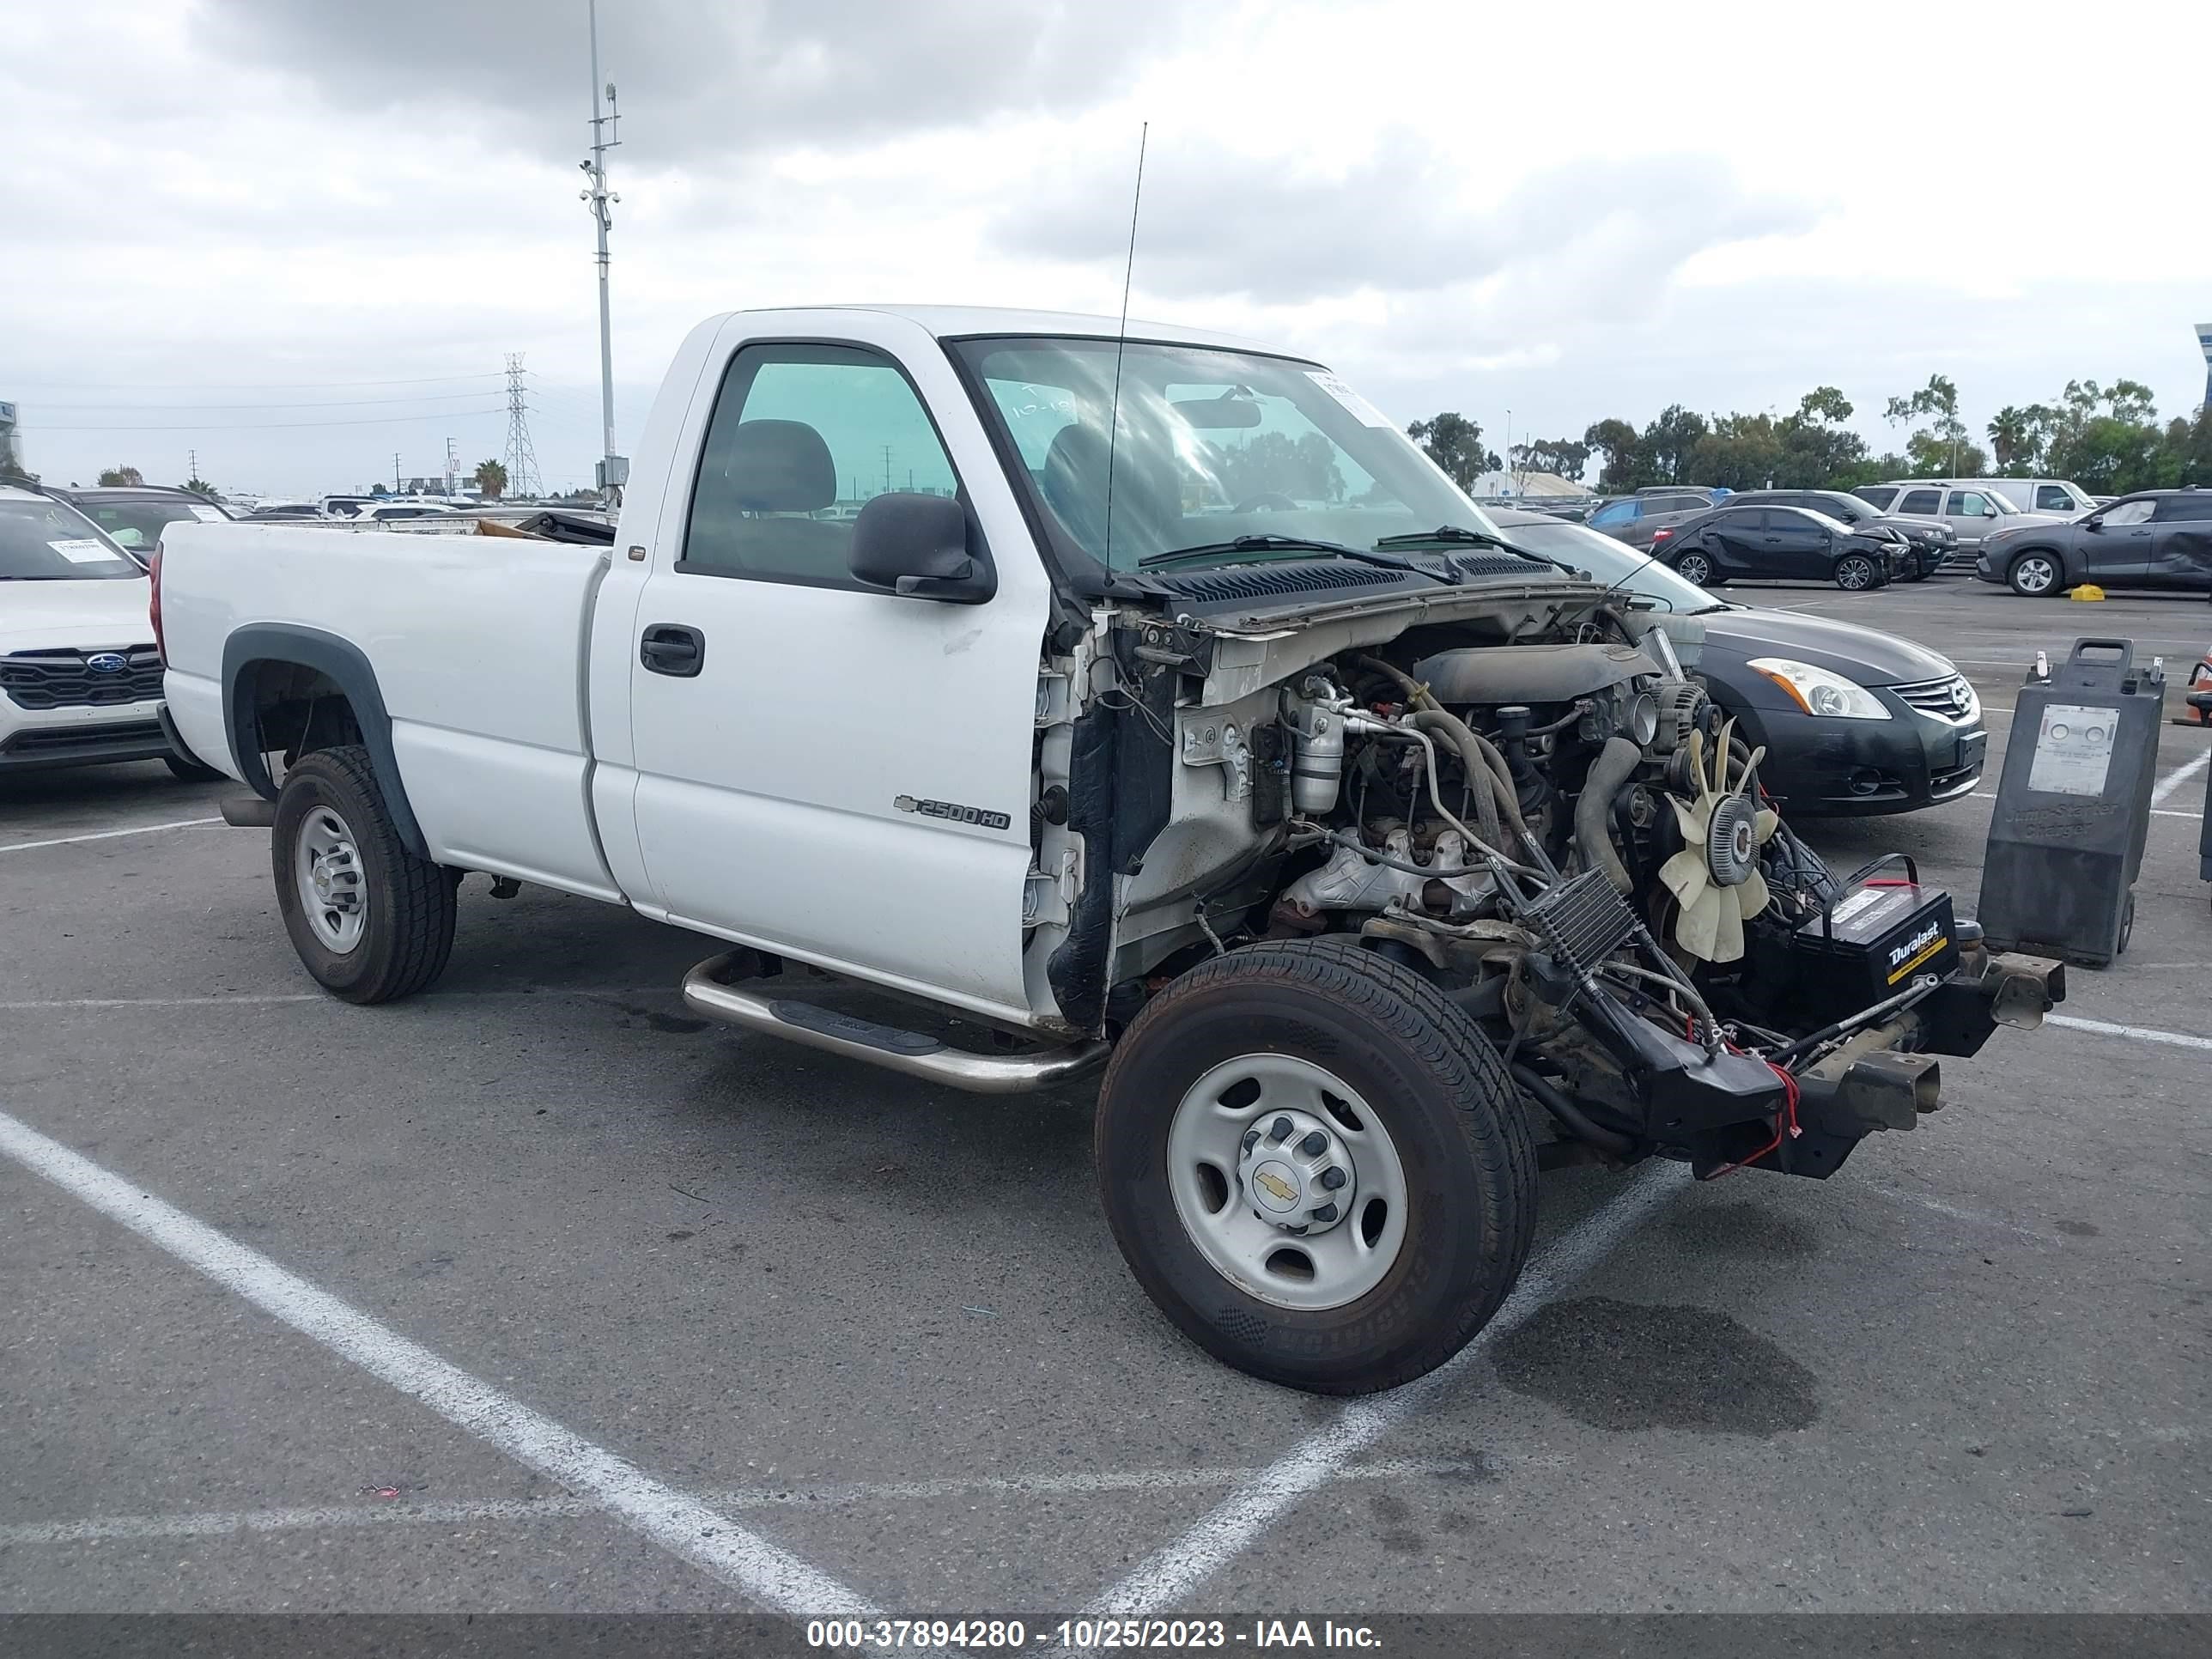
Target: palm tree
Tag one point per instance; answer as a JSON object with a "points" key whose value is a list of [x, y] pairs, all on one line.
{"points": [[491, 478]]}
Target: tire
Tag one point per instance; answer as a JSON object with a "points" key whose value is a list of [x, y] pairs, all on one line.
{"points": [[393, 937], [1441, 1105], [1855, 572], [1695, 568], [187, 770], [2034, 575]]}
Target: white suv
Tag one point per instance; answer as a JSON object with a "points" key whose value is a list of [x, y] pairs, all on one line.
{"points": [[80, 676]]}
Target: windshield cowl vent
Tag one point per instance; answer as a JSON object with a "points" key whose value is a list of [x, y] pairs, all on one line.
{"points": [[1274, 581]]}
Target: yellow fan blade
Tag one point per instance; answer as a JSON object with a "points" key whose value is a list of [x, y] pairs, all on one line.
{"points": [[1720, 756], [1744, 778], [1696, 745], [1728, 930], [1752, 894], [1764, 824], [1692, 820], [1698, 929], [1684, 875]]}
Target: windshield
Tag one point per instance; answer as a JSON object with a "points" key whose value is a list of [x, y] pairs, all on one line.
{"points": [[1213, 446], [139, 524], [46, 541], [1613, 562]]}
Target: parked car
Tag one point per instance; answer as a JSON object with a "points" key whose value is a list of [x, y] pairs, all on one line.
{"points": [[1932, 540], [79, 677], [2058, 495], [283, 513], [1636, 519], [393, 512], [2157, 539], [1971, 512], [1128, 790], [1781, 544], [1856, 723], [133, 515]]}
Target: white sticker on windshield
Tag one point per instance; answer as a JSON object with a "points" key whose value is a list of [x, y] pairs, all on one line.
{"points": [[208, 514], [1360, 409], [86, 551]]}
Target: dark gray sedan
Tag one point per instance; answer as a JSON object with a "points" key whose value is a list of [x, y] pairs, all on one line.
{"points": [[2157, 538]]}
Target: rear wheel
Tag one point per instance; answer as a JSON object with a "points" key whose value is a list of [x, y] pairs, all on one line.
{"points": [[371, 921], [2032, 574], [1695, 568], [1316, 1166]]}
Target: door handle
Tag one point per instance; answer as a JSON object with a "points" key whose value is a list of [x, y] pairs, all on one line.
{"points": [[672, 648]]}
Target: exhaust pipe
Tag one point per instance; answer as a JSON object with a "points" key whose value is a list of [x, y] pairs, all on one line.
{"points": [[912, 1052]]}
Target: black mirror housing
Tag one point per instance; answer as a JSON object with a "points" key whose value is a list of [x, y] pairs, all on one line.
{"points": [[919, 546]]}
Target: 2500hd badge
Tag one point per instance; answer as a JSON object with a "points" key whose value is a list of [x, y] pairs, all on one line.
{"points": [[951, 811]]}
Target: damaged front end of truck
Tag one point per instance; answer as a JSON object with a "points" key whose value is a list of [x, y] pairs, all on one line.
{"points": [[1511, 786]]}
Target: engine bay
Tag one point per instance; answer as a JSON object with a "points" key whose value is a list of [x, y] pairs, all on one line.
{"points": [[1544, 812]]}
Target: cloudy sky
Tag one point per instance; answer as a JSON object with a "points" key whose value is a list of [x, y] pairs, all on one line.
{"points": [[296, 236]]}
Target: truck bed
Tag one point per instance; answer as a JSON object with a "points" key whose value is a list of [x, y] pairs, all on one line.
{"points": [[478, 643]]}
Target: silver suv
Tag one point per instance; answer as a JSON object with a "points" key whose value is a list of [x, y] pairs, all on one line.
{"points": [[1974, 511]]}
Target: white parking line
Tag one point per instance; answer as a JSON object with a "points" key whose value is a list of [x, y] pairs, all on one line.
{"points": [[2181, 775], [1163, 1578], [679, 1522], [260, 998], [106, 834], [2140, 1033], [214, 1523]]}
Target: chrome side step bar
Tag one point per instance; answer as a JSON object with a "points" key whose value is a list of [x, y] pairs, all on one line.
{"points": [[909, 1052]]}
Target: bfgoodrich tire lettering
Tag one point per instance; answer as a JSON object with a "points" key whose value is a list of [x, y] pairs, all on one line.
{"points": [[1450, 1111], [408, 929]]}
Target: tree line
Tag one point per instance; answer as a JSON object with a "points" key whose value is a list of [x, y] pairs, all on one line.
{"points": [[490, 478], [2106, 439]]}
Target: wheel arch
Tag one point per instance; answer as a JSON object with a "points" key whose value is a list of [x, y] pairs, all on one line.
{"points": [[2059, 555], [300, 684]]}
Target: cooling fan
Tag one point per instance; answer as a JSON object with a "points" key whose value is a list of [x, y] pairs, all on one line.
{"points": [[1715, 878]]}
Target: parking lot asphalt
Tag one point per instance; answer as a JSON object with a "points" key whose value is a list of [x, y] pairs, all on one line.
{"points": [[879, 1329]]}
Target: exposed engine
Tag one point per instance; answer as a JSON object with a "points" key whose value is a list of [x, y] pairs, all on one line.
{"points": [[1572, 838]]}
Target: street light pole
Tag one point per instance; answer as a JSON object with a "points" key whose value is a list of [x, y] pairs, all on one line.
{"points": [[613, 470]]}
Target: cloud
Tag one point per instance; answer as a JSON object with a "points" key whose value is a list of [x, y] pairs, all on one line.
{"points": [[707, 77], [1409, 217]]}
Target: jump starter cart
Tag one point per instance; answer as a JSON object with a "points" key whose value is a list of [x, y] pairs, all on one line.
{"points": [[2066, 839]]}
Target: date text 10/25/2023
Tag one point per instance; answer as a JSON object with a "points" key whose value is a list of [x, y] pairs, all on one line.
{"points": [[1085, 1635]]}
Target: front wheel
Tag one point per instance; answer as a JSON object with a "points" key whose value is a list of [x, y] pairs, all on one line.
{"points": [[1316, 1166], [371, 921], [2033, 575], [1856, 573], [1695, 568]]}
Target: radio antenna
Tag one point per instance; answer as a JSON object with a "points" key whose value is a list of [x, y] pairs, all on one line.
{"points": [[1122, 341]]}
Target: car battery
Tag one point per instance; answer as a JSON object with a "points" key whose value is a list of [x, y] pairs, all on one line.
{"points": [[1883, 932], [2066, 837]]}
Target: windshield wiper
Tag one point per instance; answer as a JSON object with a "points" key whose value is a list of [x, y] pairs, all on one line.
{"points": [[1452, 535], [1219, 552]]}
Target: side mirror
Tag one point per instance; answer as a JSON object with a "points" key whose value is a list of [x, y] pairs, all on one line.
{"points": [[2095, 521], [917, 545]]}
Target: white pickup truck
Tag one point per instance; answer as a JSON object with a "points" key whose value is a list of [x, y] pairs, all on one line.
{"points": [[1145, 701]]}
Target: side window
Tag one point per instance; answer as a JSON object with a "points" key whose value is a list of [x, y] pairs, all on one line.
{"points": [[801, 438], [1877, 496], [1614, 513], [2128, 513], [1970, 504], [1921, 501], [2196, 507], [2053, 498]]}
